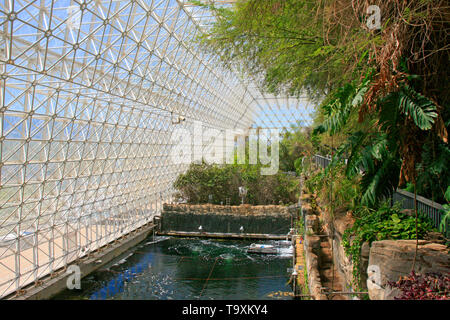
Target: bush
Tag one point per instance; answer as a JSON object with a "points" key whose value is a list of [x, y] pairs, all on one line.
{"points": [[429, 286], [222, 182], [382, 224], [333, 181]]}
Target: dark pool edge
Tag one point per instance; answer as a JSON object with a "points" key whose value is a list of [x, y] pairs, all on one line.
{"points": [[218, 235]]}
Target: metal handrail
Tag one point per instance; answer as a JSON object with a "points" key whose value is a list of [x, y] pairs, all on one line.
{"points": [[405, 198]]}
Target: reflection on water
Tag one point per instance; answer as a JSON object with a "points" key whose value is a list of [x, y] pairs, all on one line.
{"points": [[176, 268]]}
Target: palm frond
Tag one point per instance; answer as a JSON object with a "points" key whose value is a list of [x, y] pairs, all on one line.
{"points": [[422, 110], [381, 181]]}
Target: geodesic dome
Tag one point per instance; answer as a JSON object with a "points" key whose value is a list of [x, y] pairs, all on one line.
{"points": [[90, 94]]}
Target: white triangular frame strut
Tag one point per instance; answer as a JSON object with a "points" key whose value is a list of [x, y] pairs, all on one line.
{"points": [[88, 92]]}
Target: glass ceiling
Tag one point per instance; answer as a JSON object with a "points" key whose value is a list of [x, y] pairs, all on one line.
{"points": [[90, 94]]}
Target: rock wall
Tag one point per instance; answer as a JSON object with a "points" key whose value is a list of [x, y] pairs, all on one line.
{"points": [[227, 219], [387, 260], [391, 259], [382, 261], [311, 249], [245, 209], [335, 229], [312, 246]]}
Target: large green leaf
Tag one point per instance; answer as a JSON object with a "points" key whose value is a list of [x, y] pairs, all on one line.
{"points": [[422, 110]]}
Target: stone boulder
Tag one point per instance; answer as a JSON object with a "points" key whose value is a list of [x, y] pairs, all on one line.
{"points": [[312, 224], [391, 259]]}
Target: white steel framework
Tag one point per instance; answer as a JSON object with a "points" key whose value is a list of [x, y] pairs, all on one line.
{"points": [[89, 91]]}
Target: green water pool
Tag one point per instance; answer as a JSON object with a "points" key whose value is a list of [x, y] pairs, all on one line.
{"points": [[190, 268]]}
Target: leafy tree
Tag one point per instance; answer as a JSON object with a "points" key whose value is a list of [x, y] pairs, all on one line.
{"points": [[294, 146], [385, 92], [222, 182], [283, 43]]}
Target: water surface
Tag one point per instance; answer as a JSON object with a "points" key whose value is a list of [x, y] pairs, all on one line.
{"points": [[190, 268]]}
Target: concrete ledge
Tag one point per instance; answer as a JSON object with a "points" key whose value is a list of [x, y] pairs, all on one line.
{"points": [[54, 285], [224, 235]]}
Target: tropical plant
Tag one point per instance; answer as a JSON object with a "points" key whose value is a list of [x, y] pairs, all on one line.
{"points": [[294, 146], [444, 226], [433, 175], [318, 46], [325, 49], [384, 151], [374, 225]]}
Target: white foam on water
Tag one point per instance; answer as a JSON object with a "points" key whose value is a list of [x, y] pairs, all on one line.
{"points": [[227, 256], [286, 252], [157, 239], [285, 243], [123, 260], [197, 248], [219, 244]]}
